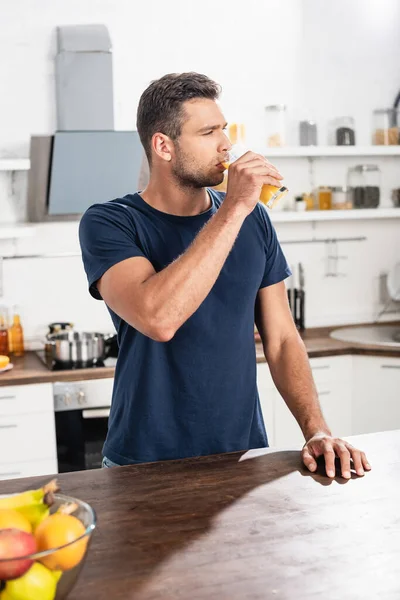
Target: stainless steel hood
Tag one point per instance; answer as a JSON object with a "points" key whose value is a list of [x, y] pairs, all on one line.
{"points": [[70, 171], [85, 161]]}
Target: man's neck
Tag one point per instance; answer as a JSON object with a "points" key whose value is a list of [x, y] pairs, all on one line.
{"points": [[167, 196]]}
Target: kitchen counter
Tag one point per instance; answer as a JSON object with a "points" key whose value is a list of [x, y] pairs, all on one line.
{"points": [[254, 525], [30, 368]]}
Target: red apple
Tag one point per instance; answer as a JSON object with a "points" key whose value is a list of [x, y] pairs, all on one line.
{"points": [[15, 543]]}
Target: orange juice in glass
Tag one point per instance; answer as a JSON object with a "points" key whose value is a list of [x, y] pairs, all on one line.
{"points": [[270, 194]]}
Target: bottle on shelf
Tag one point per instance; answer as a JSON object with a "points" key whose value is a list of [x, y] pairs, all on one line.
{"points": [[4, 345], [16, 335]]}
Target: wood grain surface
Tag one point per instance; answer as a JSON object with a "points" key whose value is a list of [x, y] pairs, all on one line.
{"points": [[252, 525]]}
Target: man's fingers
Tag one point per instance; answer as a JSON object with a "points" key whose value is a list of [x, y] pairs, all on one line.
{"points": [[365, 462], [357, 461], [344, 456], [329, 456], [308, 460]]}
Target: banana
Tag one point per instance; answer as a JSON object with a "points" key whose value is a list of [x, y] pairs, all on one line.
{"points": [[31, 497]]}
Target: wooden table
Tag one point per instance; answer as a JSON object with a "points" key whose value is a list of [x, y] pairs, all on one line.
{"points": [[252, 525]]}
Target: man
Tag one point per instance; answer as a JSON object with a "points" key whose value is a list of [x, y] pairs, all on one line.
{"points": [[184, 271]]}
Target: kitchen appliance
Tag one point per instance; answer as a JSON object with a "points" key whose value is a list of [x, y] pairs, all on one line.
{"points": [[81, 417], [74, 349], [85, 161]]}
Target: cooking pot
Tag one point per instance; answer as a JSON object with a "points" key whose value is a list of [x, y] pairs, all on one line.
{"points": [[74, 348]]}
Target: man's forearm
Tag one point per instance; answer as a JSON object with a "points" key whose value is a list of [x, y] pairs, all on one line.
{"points": [[291, 372], [176, 292]]}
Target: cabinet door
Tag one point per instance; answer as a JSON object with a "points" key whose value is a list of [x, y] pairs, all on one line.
{"points": [[22, 399], [333, 379], [376, 394], [266, 391], [27, 437], [28, 469]]}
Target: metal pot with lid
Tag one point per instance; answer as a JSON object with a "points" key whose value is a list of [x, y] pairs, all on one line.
{"points": [[71, 348]]}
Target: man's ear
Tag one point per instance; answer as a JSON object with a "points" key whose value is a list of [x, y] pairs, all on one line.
{"points": [[162, 146]]}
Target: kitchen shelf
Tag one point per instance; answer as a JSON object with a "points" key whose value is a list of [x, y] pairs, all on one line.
{"points": [[333, 215], [338, 151], [8, 232], [15, 164]]}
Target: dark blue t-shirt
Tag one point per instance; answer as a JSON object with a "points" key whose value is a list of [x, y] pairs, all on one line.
{"points": [[197, 393]]}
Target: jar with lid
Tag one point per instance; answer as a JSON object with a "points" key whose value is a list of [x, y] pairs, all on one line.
{"points": [[275, 125], [308, 133], [386, 127], [342, 132], [341, 198], [364, 180], [324, 197]]}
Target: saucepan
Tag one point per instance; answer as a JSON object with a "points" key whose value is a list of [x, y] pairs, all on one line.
{"points": [[79, 348]]}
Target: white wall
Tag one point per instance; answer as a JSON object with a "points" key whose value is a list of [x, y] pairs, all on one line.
{"points": [[321, 59]]}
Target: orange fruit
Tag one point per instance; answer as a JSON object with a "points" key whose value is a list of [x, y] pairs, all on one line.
{"points": [[12, 519], [4, 360], [55, 531]]}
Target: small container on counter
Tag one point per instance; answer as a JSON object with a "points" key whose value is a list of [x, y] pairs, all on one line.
{"points": [[342, 132], [386, 127], [275, 125], [308, 133], [16, 335], [309, 200], [396, 197], [324, 197], [300, 204], [341, 198], [364, 181], [4, 333]]}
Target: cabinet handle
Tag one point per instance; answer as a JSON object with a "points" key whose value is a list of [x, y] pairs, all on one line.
{"points": [[390, 366], [324, 393], [320, 367], [10, 473], [8, 397], [11, 426]]}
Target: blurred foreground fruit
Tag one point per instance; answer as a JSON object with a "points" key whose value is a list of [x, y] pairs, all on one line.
{"points": [[57, 530], [12, 519], [37, 584], [4, 360], [33, 504], [13, 544]]}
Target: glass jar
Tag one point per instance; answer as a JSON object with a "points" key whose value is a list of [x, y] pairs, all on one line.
{"points": [[386, 127], [364, 180], [341, 198], [324, 197], [308, 133], [275, 125], [342, 132]]}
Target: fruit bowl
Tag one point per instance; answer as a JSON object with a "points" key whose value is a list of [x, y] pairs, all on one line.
{"points": [[52, 573]]}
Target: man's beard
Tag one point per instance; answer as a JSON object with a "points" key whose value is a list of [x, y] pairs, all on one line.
{"points": [[188, 175]]}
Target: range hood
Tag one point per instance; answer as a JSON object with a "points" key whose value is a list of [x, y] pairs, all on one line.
{"points": [[86, 160]]}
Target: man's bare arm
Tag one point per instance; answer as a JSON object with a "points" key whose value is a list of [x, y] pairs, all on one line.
{"points": [[157, 304], [287, 359]]}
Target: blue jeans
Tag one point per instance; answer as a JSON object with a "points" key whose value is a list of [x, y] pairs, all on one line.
{"points": [[107, 463]]}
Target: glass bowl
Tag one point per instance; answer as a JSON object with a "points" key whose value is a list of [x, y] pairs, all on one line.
{"points": [[39, 582]]}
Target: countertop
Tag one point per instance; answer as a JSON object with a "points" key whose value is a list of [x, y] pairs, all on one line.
{"points": [[30, 369], [247, 525]]}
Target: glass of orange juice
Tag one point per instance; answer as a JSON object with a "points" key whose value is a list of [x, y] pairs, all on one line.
{"points": [[270, 194]]}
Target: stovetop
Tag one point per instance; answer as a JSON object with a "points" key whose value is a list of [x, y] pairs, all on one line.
{"points": [[54, 365]]}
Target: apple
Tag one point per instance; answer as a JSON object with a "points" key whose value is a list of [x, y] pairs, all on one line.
{"points": [[15, 546]]}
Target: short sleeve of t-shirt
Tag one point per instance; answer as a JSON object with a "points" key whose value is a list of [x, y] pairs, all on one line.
{"points": [[107, 236], [276, 267]]}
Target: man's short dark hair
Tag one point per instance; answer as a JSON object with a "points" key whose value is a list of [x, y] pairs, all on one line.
{"points": [[161, 104]]}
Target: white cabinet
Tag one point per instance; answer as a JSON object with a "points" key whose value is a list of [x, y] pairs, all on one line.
{"points": [[376, 394], [27, 431], [266, 392], [333, 379]]}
